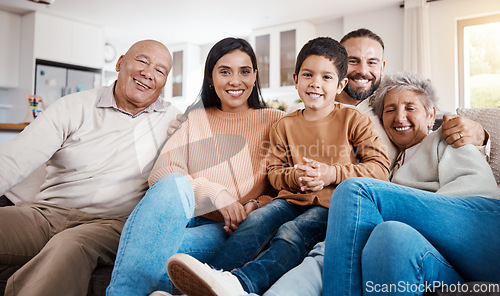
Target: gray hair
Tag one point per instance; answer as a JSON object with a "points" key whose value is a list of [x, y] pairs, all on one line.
{"points": [[404, 82]]}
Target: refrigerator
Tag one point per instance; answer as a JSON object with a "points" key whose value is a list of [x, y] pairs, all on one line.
{"points": [[55, 81]]}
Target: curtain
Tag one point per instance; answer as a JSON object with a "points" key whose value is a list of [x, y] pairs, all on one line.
{"points": [[417, 38]]}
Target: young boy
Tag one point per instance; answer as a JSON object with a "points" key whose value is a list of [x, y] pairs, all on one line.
{"points": [[311, 152]]}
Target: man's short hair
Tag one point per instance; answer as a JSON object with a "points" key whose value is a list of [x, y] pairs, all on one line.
{"points": [[362, 33]]}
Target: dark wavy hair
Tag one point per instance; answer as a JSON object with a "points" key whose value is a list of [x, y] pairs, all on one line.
{"points": [[325, 47], [362, 32], [207, 97]]}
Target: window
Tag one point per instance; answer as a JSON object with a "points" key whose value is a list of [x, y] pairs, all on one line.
{"points": [[479, 61]]}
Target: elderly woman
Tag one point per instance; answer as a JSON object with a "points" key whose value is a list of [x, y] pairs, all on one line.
{"points": [[436, 223]]}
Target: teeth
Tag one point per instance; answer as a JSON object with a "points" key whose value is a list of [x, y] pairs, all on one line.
{"points": [[314, 96], [400, 129], [141, 84], [362, 80], [235, 92]]}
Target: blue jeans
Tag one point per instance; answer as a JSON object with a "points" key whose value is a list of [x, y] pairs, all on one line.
{"points": [[160, 226], [291, 232], [362, 250], [304, 279]]}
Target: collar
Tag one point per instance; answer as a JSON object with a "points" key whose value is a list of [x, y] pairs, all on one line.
{"points": [[107, 100]]}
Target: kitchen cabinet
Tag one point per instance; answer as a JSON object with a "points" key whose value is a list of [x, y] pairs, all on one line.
{"points": [[10, 34], [186, 75], [276, 49], [67, 41], [42, 37]]}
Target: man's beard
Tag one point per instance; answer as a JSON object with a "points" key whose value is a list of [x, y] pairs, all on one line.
{"points": [[360, 96]]}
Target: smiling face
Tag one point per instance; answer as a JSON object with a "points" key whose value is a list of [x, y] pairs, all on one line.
{"points": [[405, 119], [365, 66], [142, 74], [233, 79], [317, 84]]}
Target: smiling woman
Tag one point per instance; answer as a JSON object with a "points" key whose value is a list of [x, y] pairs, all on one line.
{"points": [[233, 80], [434, 222], [211, 168]]}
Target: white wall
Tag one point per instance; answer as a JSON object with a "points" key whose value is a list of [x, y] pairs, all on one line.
{"points": [[443, 24], [332, 28], [388, 24]]}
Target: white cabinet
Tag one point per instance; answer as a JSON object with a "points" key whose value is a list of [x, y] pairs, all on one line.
{"points": [[276, 49], [70, 42], [185, 78], [88, 45], [10, 36]]}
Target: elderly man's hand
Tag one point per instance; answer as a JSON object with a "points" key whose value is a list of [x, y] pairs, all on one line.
{"points": [[175, 123], [459, 131]]}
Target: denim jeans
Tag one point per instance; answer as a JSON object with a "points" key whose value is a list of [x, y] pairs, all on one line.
{"points": [[291, 231], [160, 226], [362, 250], [304, 279]]}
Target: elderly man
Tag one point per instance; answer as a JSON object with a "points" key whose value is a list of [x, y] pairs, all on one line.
{"points": [[99, 147]]}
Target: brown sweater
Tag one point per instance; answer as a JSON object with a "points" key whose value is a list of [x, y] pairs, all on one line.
{"points": [[345, 139], [217, 151]]}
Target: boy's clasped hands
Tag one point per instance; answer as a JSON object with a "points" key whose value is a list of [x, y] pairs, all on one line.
{"points": [[313, 175]]}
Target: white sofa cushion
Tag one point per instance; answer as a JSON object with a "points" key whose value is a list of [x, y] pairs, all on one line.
{"points": [[489, 118]]}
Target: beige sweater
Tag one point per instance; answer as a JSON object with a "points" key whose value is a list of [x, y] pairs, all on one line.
{"points": [[98, 159], [217, 151], [344, 139]]}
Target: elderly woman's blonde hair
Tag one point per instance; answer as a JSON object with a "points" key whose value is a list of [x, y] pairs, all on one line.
{"points": [[404, 82]]}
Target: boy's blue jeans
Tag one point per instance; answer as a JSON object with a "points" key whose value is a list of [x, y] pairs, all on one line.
{"points": [[363, 252], [291, 232], [160, 226]]}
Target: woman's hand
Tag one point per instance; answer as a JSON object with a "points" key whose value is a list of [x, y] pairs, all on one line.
{"points": [[232, 211], [250, 207]]}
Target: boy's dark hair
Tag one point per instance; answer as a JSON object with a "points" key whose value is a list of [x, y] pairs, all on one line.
{"points": [[325, 47], [362, 33]]}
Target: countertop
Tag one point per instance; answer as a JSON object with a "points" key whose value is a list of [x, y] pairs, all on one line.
{"points": [[13, 126]]}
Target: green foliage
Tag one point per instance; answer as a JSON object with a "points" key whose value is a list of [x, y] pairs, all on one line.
{"points": [[485, 90], [484, 48]]}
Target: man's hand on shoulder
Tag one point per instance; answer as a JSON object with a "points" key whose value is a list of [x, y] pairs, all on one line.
{"points": [[459, 131], [175, 123]]}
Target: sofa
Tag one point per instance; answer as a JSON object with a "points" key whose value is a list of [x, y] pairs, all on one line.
{"points": [[489, 118], [98, 283]]}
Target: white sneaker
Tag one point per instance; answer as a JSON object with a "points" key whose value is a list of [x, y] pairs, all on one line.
{"points": [[160, 293], [197, 279]]}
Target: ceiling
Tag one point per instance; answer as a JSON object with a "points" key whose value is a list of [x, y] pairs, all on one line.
{"points": [[194, 21]]}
